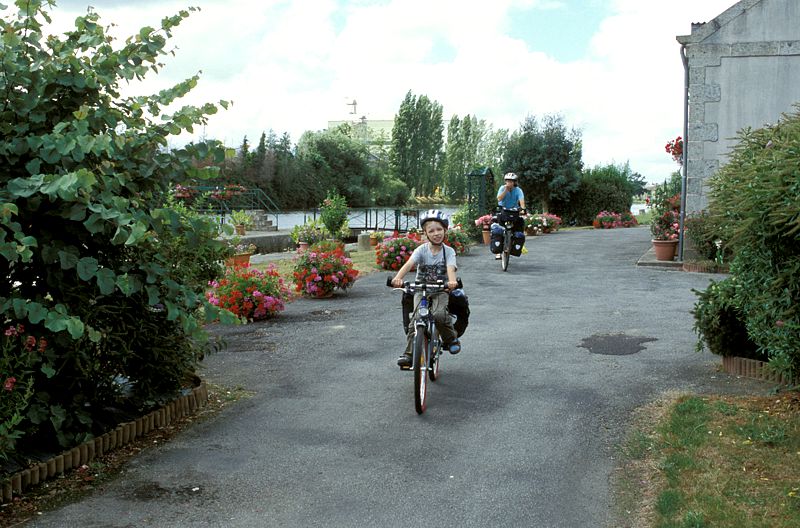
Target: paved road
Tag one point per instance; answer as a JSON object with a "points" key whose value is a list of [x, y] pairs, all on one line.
{"points": [[521, 430]]}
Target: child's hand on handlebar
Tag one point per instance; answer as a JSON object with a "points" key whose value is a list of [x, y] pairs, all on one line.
{"points": [[397, 282], [452, 285]]}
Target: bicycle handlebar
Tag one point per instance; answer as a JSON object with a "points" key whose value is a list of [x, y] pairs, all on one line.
{"points": [[411, 287]]}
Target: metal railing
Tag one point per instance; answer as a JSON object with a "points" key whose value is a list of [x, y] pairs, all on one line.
{"points": [[223, 200]]}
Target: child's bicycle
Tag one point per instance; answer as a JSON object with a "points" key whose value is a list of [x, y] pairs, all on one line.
{"points": [[427, 348]]}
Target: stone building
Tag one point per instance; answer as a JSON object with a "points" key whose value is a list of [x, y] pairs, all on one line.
{"points": [[744, 71]]}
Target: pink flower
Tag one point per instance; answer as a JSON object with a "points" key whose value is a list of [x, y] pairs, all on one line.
{"points": [[9, 384]]}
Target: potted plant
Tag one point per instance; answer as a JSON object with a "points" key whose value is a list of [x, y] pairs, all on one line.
{"points": [[458, 239], [249, 293], [239, 253], [375, 237], [322, 269], [307, 234], [665, 229], [484, 222], [333, 212], [241, 220]]}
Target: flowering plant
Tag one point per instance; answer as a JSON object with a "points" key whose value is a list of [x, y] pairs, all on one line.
{"points": [[229, 191], [240, 217], [666, 226], [377, 235], [181, 191], [393, 252], [610, 220], [484, 221], [22, 355], [458, 239], [543, 222], [675, 149], [322, 269], [311, 233], [249, 293]]}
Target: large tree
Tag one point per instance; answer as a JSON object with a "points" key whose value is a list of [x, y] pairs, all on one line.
{"points": [[547, 158], [416, 156]]}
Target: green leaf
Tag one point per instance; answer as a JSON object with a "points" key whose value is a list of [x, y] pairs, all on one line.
{"points": [[87, 268], [48, 371], [36, 312], [153, 295], [106, 281], [68, 258], [75, 327], [57, 416], [138, 233]]}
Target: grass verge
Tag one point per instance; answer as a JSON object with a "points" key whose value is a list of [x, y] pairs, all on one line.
{"points": [[721, 461]]}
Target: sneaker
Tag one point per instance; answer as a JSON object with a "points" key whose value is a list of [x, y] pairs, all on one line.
{"points": [[497, 257], [455, 347], [404, 361]]}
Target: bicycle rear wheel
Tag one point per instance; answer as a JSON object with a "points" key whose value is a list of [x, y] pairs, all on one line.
{"points": [[420, 366], [506, 251]]}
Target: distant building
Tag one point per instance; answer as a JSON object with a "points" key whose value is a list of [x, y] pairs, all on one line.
{"points": [[744, 71]]}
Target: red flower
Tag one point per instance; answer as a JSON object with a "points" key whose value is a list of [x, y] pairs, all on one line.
{"points": [[9, 384]]}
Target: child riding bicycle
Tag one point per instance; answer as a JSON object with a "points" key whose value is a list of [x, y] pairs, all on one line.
{"points": [[435, 261]]}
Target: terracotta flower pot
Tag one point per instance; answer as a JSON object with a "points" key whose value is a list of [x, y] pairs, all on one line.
{"points": [[665, 249], [239, 229], [487, 236], [302, 247], [373, 241]]}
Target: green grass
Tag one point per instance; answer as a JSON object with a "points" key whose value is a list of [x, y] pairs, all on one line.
{"points": [[714, 461]]}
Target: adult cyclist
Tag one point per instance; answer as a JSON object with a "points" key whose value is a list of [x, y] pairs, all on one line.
{"points": [[510, 195]]}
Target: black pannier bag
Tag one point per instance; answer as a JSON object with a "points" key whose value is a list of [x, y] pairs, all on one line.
{"points": [[458, 305], [496, 239], [517, 242]]}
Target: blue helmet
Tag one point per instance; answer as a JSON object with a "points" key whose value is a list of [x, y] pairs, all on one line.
{"points": [[436, 215]]}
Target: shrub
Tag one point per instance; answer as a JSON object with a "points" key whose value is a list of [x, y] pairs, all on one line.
{"points": [[322, 269], [91, 254], [458, 239], [607, 188], [310, 232], [719, 322], [393, 252], [333, 213], [248, 293], [756, 197], [705, 234], [464, 217], [543, 222]]}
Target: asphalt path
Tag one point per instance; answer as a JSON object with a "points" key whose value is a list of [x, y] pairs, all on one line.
{"points": [[522, 429]]}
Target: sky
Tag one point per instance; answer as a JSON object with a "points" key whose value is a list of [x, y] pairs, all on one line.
{"points": [[610, 68]]}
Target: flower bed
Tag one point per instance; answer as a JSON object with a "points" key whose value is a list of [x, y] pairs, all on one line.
{"points": [[322, 269], [393, 252], [610, 220], [542, 223], [458, 239], [248, 293]]}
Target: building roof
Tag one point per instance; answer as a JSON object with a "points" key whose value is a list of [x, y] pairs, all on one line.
{"points": [[701, 31]]}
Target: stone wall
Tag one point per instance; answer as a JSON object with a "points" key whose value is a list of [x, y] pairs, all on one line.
{"points": [[744, 71]]}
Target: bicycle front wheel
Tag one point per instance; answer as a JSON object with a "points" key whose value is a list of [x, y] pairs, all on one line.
{"points": [[434, 353], [420, 366]]}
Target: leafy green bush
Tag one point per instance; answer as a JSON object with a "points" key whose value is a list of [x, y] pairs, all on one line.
{"points": [[93, 257], [601, 189], [719, 322], [465, 217], [310, 232], [705, 234], [756, 198], [333, 213]]}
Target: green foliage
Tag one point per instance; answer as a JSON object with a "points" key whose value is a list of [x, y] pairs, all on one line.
{"points": [[392, 191], [243, 218], [547, 159], [333, 212], [667, 195], [603, 188], [458, 239], [89, 248], [417, 140], [334, 162], [705, 234], [719, 321], [310, 232], [756, 199], [465, 217]]}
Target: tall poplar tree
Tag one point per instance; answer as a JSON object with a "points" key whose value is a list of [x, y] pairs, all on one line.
{"points": [[416, 156]]}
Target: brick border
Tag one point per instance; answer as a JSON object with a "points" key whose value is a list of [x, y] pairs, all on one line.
{"points": [[753, 368], [123, 434]]}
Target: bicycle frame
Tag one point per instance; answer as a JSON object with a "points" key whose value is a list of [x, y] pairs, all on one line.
{"points": [[510, 216]]}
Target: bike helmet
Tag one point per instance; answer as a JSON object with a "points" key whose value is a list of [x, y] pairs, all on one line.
{"points": [[510, 176], [434, 214]]}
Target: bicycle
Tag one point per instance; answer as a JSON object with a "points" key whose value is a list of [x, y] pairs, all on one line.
{"points": [[507, 218], [427, 348]]}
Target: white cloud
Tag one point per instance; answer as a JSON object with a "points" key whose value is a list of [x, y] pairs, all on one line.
{"points": [[292, 66]]}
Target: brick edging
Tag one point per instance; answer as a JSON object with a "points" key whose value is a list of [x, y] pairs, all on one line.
{"points": [[753, 368], [123, 434]]}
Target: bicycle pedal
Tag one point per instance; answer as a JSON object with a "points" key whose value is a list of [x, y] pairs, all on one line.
{"points": [[405, 368]]}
